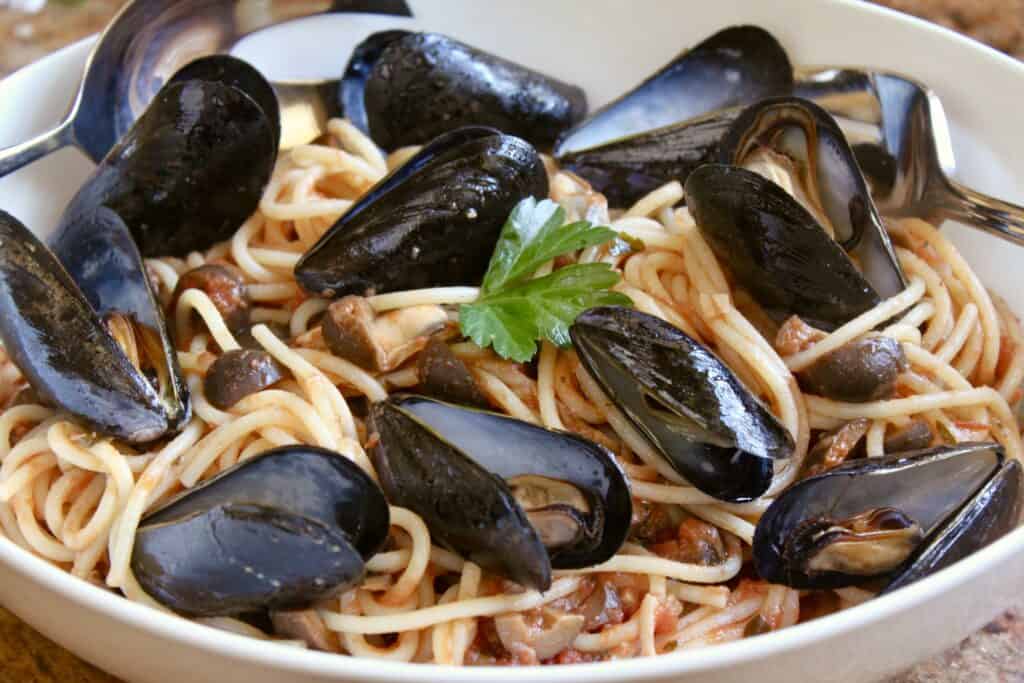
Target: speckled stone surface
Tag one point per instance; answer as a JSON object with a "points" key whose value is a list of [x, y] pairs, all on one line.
{"points": [[993, 655]]}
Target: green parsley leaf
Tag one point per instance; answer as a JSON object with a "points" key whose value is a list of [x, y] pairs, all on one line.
{"points": [[514, 311], [533, 235]]}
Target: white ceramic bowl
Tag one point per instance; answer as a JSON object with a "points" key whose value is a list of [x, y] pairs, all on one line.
{"points": [[606, 46]]}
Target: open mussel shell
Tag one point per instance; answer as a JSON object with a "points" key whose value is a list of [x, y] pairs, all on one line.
{"points": [[734, 67], [775, 248], [993, 512], [192, 168], [684, 400], [626, 169], [57, 341], [808, 138], [894, 519], [97, 250], [416, 86], [433, 221], [282, 530], [513, 497]]}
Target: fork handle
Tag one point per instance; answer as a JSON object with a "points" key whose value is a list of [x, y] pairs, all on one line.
{"points": [[14, 157], [994, 216]]}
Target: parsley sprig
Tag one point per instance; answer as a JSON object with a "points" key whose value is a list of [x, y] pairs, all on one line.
{"points": [[515, 309]]}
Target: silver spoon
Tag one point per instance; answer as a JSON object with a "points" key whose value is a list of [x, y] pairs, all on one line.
{"points": [[900, 134], [149, 40]]}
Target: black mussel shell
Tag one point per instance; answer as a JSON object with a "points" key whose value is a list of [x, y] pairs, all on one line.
{"points": [[809, 137], [238, 74], [97, 250], [360, 66], [309, 481], [55, 338], [990, 515], [189, 171], [236, 558], [684, 400], [422, 85], [453, 465], [626, 169], [467, 509], [775, 249], [302, 519], [946, 502], [737, 66], [434, 221]]}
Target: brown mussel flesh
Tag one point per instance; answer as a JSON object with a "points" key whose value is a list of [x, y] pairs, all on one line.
{"points": [[893, 519], [444, 376], [118, 373], [863, 370], [513, 497], [432, 222], [775, 248], [240, 373], [280, 531], [692, 409], [193, 167], [416, 86], [808, 141], [226, 288]]}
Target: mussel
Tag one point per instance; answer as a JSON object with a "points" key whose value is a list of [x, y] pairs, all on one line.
{"points": [[691, 408], [281, 530], [192, 168], [775, 248], [513, 497], [666, 126], [407, 88], [804, 139], [119, 375], [891, 520], [433, 221]]}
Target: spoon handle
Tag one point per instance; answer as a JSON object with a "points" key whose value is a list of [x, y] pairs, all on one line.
{"points": [[14, 157], [992, 215]]}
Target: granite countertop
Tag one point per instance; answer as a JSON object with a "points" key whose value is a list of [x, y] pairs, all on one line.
{"points": [[993, 655]]}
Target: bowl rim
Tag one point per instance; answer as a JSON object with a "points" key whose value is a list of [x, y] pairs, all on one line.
{"points": [[169, 626]]}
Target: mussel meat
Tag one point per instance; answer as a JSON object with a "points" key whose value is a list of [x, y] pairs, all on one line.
{"points": [[193, 167], [775, 248], [863, 370], [279, 531], [805, 139], [513, 497], [694, 411], [672, 122], [737, 66], [434, 221], [893, 519], [119, 375], [407, 88]]}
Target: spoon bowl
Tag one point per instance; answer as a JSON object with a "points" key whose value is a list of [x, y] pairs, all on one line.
{"points": [[147, 42]]}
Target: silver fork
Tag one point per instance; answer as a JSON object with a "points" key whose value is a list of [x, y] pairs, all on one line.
{"points": [[900, 135]]}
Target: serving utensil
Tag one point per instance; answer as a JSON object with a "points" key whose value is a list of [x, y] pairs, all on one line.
{"points": [[900, 135], [149, 40]]}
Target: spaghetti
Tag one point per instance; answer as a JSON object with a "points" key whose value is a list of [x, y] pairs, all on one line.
{"points": [[76, 500]]}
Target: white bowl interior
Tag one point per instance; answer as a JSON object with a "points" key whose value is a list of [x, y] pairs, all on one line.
{"points": [[605, 46]]}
